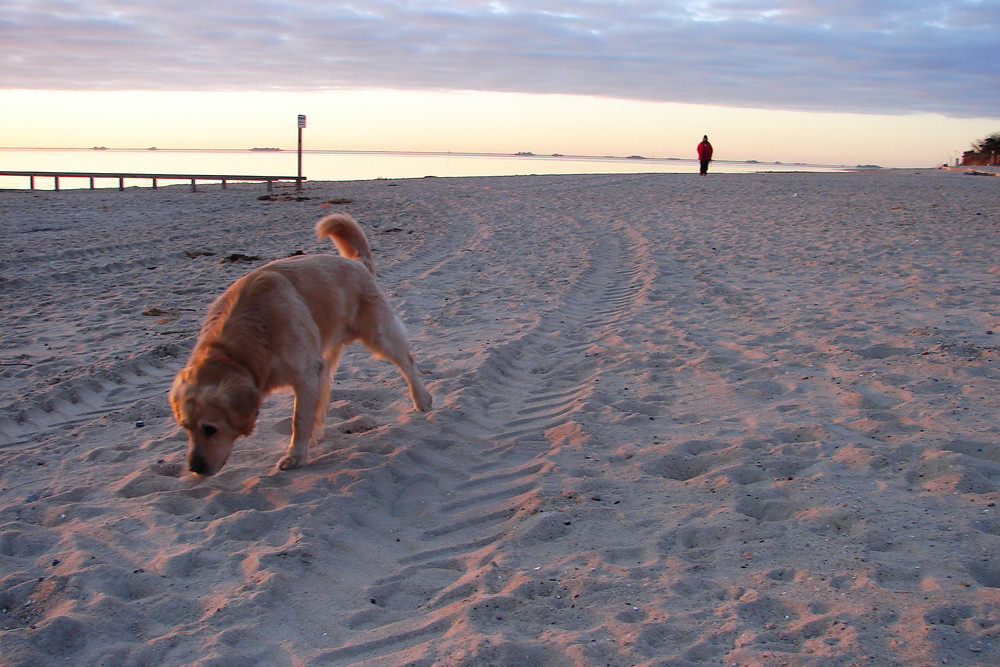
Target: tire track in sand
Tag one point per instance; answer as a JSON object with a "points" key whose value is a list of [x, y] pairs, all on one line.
{"points": [[507, 410], [137, 386]]}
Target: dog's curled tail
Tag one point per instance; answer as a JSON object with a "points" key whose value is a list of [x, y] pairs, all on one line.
{"points": [[347, 235]]}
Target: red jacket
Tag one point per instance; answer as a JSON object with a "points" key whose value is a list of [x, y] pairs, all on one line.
{"points": [[704, 151]]}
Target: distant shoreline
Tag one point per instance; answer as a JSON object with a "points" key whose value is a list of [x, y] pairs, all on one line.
{"points": [[521, 155]]}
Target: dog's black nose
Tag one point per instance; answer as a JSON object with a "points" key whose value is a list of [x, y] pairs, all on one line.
{"points": [[197, 464]]}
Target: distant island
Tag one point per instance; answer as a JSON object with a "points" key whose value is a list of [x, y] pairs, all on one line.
{"points": [[265, 149]]}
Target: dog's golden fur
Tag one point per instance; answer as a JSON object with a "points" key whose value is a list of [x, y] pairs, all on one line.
{"points": [[283, 325]]}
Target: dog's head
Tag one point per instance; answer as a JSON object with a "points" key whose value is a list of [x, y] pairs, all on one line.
{"points": [[215, 408]]}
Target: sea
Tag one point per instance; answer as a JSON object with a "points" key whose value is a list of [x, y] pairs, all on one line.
{"points": [[335, 165]]}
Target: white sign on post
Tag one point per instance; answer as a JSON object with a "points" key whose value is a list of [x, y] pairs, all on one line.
{"points": [[302, 121]]}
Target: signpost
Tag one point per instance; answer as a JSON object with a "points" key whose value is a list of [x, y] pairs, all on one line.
{"points": [[302, 124]]}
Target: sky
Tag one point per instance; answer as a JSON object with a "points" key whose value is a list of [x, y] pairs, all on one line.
{"points": [[896, 83]]}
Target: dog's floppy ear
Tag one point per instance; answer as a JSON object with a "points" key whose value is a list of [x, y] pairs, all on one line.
{"points": [[242, 402], [177, 394]]}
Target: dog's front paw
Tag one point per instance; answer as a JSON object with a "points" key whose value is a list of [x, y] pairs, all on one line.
{"points": [[289, 462]]}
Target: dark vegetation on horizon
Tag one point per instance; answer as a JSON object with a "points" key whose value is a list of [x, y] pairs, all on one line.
{"points": [[985, 152]]}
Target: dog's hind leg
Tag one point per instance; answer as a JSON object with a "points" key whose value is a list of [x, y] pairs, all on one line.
{"points": [[311, 396], [389, 342], [421, 397]]}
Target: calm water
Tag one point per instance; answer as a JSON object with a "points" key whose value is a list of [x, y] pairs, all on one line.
{"points": [[335, 165]]}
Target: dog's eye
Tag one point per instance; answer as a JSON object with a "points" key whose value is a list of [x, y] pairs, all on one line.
{"points": [[208, 430]]}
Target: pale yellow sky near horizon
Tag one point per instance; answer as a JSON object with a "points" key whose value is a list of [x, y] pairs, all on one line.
{"points": [[461, 121]]}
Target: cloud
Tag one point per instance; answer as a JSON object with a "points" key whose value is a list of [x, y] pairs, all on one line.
{"points": [[898, 56]]}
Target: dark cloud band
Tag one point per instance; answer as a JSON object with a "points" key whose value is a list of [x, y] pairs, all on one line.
{"points": [[886, 57]]}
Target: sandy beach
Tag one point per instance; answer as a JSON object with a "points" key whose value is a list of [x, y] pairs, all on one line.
{"points": [[749, 419]]}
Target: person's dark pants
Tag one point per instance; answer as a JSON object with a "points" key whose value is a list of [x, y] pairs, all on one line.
{"points": [[704, 167]]}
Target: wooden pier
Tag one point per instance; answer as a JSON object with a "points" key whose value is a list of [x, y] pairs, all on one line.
{"points": [[193, 178]]}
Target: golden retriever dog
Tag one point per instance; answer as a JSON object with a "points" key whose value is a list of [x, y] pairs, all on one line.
{"points": [[285, 325]]}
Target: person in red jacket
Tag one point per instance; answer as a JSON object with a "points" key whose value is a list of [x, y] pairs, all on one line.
{"points": [[704, 154]]}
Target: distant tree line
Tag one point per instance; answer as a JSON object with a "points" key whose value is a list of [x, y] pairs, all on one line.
{"points": [[986, 152]]}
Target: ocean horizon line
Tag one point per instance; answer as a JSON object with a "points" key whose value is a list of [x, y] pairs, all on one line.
{"points": [[325, 164], [527, 155]]}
